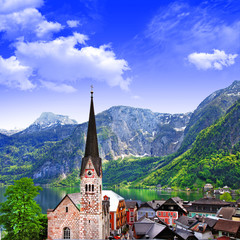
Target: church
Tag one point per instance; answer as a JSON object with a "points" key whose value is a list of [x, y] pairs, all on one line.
{"points": [[83, 215]]}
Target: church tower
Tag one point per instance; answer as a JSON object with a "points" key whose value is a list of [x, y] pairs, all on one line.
{"points": [[91, 184]]}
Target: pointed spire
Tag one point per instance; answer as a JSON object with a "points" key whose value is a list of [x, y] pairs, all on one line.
{"points": [[91, 150], [91, 143]]}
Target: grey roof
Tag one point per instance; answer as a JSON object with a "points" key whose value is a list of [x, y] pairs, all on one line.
{"points": [[148, 227], [210, 201], [155, 204], [131, 203], [91, 150], [141, 228], [157, 220], [155, 230], [186, 221], [145, 204], [226, 212], [210, 222], [184, 233]]}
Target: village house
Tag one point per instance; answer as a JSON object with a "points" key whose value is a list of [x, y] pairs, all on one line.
{"points": [[84, 215], [145, 209], [208, 187], [171, 210], [227, 228], [131, 210], [117, 211], [200, 227], [206, 207]]}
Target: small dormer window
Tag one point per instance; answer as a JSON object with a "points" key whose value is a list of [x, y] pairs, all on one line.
{"points": [[66, 209]]}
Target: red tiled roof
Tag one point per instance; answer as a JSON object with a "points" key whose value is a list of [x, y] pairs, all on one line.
{"points": [[227, 226]]}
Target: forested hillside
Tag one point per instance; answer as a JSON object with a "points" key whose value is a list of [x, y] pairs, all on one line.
{"points": [[213, 158]]}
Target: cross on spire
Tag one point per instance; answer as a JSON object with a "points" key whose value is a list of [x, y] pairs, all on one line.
{"points": [[91, 90]]}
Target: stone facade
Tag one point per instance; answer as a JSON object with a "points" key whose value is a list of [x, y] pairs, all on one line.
{"points": [[65, 215], [91, 203]]}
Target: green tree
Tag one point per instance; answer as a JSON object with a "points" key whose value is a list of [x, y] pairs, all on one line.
{"points": [[227, 197], [20, 215]]}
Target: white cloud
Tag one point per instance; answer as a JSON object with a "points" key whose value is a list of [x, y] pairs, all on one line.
{"points": [[45, 28], [217, 60], [62, 88], [15, 75], [61, 61], [73, 23], [28, 23], [10, 6]]}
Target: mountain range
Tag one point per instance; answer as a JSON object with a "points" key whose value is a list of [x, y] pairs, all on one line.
{"points": [[146, 144]]}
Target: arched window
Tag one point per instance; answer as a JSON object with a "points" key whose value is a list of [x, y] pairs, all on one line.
{"points": [[92, 188], [86, 187], [66, 233], [89, 187]]}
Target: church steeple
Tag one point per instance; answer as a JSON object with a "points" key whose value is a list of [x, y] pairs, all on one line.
{"points": [[91, 149], [91, 143]]}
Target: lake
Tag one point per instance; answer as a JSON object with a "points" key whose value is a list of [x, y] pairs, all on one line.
{"points": [[50, 197]]}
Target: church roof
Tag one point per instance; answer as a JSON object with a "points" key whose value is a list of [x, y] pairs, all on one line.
{"points": [[91, 150], [75, 197]]}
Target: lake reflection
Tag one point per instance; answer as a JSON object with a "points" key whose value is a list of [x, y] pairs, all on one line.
{"points": [[50, 197]]}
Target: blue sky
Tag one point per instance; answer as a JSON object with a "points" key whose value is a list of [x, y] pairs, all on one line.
{"points": [[163, 55]]}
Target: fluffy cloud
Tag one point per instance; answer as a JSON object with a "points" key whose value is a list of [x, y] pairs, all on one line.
{"points": [[62, 88], [62, 60], [10, 6], [15, 75], [217, 60], [28, 23], [46, 28], [73, 23]]}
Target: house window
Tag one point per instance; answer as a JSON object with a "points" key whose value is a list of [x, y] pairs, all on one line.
{"points": [[86, 187], [131, 219], [92, 188], [110, 216], [66, 233], [89, 187], [66, 209], [164, 214], [131, 214]]}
